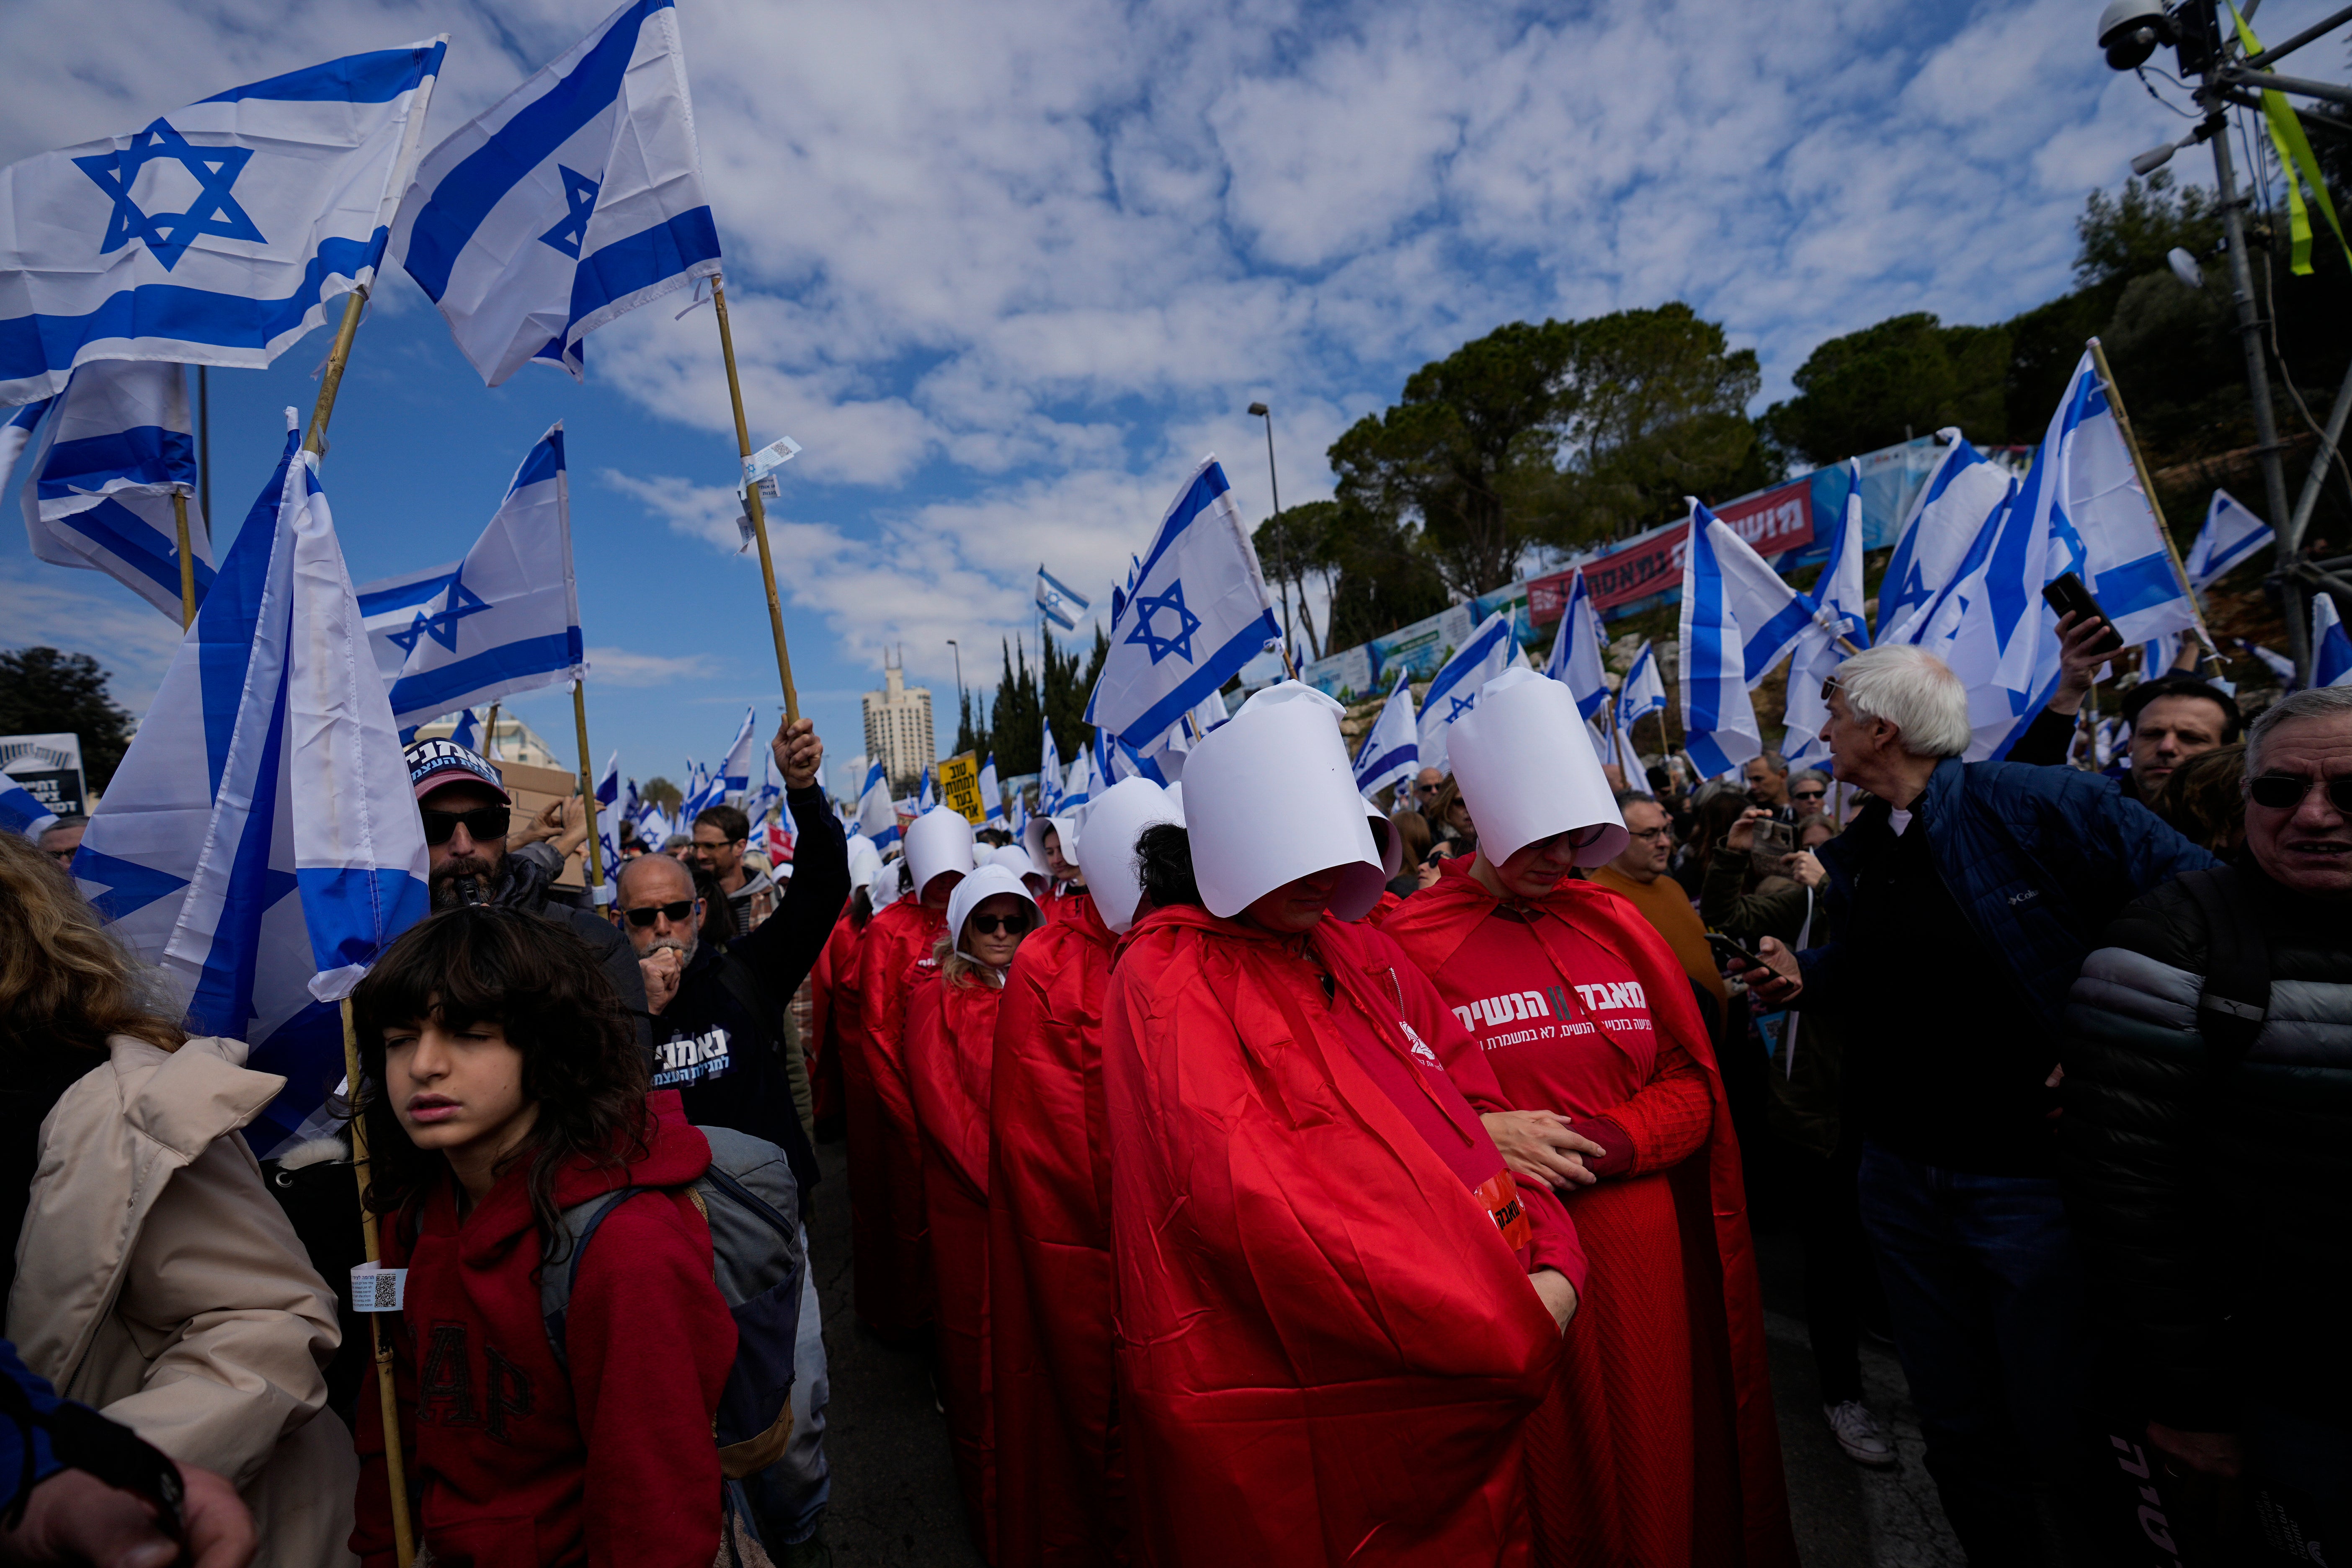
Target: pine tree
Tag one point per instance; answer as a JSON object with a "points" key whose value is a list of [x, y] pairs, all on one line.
{"points": [[43, 691]]}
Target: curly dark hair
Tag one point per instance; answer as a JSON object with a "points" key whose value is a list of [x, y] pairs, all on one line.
{"points": [[545, 987], [1163, 863]]}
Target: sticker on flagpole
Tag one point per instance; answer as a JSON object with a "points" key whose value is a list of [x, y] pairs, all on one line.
{"points": [[375, 1288], [766, 461]]}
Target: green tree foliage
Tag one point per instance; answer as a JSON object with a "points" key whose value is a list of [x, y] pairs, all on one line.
{"points": [[43, 691], [972, 734], [1904, 377], [1025, 702], [2130, 234], [1016, 725], [662, 793], [1294, 546], [1379, 580]]}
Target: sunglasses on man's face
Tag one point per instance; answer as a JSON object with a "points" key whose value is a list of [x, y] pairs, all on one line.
{"points": [[675, 913], [2285, 791], [1808, 795], [989, 925], [484, 824]]}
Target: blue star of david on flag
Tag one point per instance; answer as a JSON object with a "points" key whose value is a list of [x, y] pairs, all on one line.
{"points": [[1461, 705], [571, 231], [167, 235], [441, 624], [1180, 642]]}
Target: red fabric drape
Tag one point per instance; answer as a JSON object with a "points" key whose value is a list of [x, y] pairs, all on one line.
{"points": [[833, 1007], [1327, 1351], [889, 1251], [1704, 1347]]}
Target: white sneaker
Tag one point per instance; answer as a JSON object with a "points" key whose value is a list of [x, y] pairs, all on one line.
{"points": [[1857, 1433]]}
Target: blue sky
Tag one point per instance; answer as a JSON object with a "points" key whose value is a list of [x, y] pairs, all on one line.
{"points": [[1007, 271]]}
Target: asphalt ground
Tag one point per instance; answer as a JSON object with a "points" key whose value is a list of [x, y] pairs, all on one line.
{"points": [[895, 1503]]}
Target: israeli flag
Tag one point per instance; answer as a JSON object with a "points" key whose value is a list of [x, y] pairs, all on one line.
{"points": [[507, 618], [735, 770], [259, 844], [2095, 489], [1390, 753], [1644, 691], [1491, 650], [608, 829], [991, 796], [1576, 648], [877, 816], [2331, 650], [771, 791], [1059, 604], [2230, 534], [1199, 613], [1986, 624], [1719, 730], [22, 811], [574, 200], [215, 235], [1049, 776], [463, 734], [2277, 663], [1837, 595], [1945, 519], [653, 826], [98, 492], [1081, 787]]}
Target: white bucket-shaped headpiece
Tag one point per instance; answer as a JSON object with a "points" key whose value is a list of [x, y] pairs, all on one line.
{"points": [[1106, 854], [939, 844], [1525, 762], [1269, 797], [882, 885], [978, 889], [1032, 839], [863, 860], [1390, 841]]}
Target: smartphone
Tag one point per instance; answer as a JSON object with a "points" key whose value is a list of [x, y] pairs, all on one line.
{"points": [[2067, 596], [1774, 842], [1732, 951]]}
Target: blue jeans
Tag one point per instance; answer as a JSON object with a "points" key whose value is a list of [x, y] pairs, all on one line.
{"points": [[1985, 1293], [788, 1498]]}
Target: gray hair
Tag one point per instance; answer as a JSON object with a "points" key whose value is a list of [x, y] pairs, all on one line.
{"points": [[1772, 760], [2318, 702], [1912, 690], [1811, 775]]}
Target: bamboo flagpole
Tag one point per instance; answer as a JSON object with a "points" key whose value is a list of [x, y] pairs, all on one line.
{"points": [[396, 1462], [187, 562], [752, 502], [2148, 488], [331, 379], [588, 794], [490, 735]]}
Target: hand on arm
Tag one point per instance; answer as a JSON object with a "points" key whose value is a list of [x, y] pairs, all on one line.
{"points": [[75, 1518], [1776, 981], [2078, 666], [662, 971], [1807, 871], [1539, 1146], [799, 753], [1557, 1294], [1742, 834]]}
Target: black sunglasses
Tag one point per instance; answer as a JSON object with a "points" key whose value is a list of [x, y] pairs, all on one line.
{"points": [[484, 824], [1809, 794], [2284, 792], [989, 925], [674, 913]]}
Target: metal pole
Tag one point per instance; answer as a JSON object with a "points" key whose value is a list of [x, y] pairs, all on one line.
{"points": [[2317, 480], [2258, 381], [395, 1461], [959, 658], [752, 506], [1274, 483]]}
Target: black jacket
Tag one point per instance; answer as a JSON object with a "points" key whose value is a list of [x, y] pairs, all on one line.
{"points": [[527, 882], [2211, 1193]]}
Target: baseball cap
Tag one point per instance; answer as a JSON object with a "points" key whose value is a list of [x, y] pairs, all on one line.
{"points": [[432, 764]]}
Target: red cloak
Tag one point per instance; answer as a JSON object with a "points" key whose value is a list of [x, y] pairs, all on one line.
{"points": [[1059, 1486], [888, 1246], [832, 1009], [1709, 1343], [950, 1051], [1325, 1354]]}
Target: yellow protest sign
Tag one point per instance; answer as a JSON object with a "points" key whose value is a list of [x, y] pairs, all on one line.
{"points": [[960, 787]]}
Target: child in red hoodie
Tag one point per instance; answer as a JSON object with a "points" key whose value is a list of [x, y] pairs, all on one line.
{"points": [[503, 1085]]}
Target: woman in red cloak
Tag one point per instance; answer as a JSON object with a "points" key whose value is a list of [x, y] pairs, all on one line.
{"points": [[1059, 1489], [1336, 1308], [951, 1049], [893, 1268], [1660, 1450]]}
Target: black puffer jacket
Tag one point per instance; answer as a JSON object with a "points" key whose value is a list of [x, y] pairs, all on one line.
{"points": [[2212, 1196]]}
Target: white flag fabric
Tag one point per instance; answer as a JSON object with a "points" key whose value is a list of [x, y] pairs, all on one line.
{"points": [[22, 811], [259, 843], [2230, 534], [508, 618], [877, 816], [1837, 593], [1945, 519], [283, 189], [1492, 649], [1576, 650], [1058, 603], [116, 448], [608, 829], [1643, 693], [572, 201], [992, 797], [1049, 774], [735, 769], [1719, 727], [2331, 650], [1390, 753], [1199, 612]]}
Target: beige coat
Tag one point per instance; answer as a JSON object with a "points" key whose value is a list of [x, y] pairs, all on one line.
{"points": [[157, 1279]]}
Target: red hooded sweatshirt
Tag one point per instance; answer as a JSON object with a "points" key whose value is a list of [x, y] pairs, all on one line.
{"points": [[1328, 1344], [518, 1464], [950, 1044], [1576, 1005], [889, 1250], [1059, 1481]]}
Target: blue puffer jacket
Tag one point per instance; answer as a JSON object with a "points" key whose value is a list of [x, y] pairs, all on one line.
{"points": [[2039, 859]]}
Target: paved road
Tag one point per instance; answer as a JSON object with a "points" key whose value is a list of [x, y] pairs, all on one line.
{"points": [[893, 1493]]}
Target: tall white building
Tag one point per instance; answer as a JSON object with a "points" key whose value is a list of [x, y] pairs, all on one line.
{"points": [[899, 725]]}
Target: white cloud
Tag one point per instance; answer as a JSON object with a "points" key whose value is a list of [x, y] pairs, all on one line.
{"points": [[619, 667], [87, 611]]}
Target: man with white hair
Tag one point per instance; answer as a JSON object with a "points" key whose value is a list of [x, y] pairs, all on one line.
{"points": [[1974, 892], [2208, 1143]]}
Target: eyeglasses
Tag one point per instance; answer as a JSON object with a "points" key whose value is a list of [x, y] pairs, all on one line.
{"points": [[989, 925], [2284, 792], [1809, 794], [716, 844], [484, 824], [675, 913], [1651, 832], [1426, 789]]}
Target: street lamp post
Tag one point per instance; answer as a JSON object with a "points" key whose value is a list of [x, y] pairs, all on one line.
{"points": [[1274, 483], [959, 664]]}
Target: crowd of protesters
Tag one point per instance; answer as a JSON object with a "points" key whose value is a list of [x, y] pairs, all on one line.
{"points": [[1265, 1177]]}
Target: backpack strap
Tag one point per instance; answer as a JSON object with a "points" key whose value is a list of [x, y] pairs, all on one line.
{"points": [[2236, 999], [581, 1223]]}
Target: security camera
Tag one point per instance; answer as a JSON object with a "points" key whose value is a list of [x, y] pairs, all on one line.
{"points": [[2130, 30]]}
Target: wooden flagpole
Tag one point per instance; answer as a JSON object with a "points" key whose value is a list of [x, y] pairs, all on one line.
{"points": [[396, 1462], [588, 791], [490, 735], [187, 562], [2148, 488], [331, 379], [752, 504]]}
